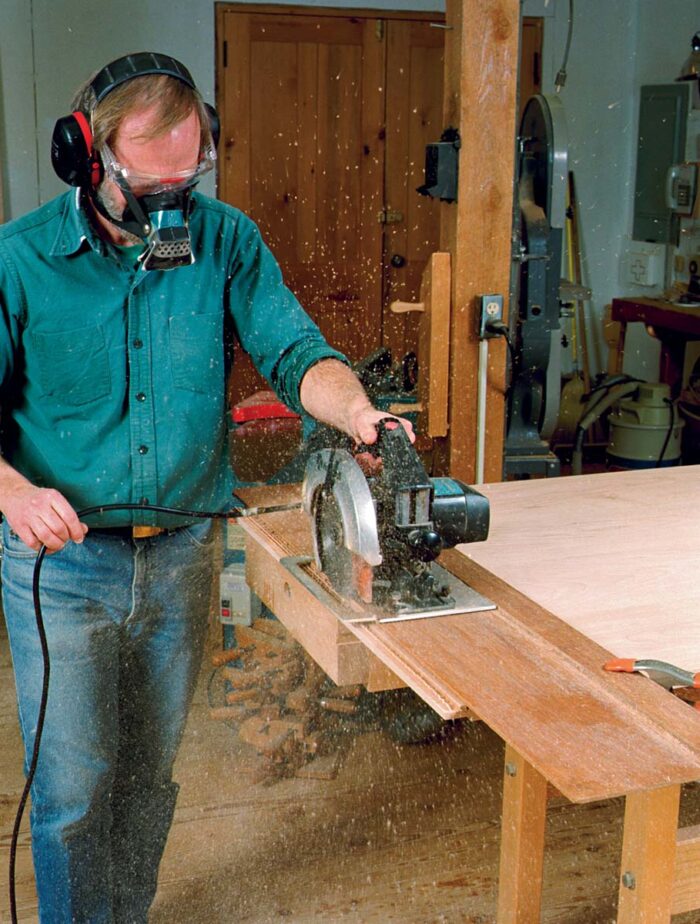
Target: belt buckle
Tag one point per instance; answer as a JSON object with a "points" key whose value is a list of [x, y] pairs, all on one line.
{"points": [[146, 532]]}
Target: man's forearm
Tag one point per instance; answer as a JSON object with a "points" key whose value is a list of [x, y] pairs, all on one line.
{"points": [[332, 393], [11, 482]]}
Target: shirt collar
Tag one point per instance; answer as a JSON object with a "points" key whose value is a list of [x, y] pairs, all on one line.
{"points": [[75, 229]]}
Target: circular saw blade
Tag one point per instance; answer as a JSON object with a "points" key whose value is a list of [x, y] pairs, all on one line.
{"points": [[350, 518], [334, 557]]}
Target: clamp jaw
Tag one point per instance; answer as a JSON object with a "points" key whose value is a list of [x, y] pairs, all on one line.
{"points": [[673, 678]]}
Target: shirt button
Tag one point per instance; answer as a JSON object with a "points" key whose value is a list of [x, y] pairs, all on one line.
{"points": [[140, 396], [138, 343], [143, 450]]}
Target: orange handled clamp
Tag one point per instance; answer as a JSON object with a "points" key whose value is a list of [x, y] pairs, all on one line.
{"points": [[663, 673]]}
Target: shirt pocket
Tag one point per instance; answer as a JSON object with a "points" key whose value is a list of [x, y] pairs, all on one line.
{"points": [[73, 364], [197, 352]]}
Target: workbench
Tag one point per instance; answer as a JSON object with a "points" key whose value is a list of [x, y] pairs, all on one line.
{"points": [[674, 325], [581, 569]]}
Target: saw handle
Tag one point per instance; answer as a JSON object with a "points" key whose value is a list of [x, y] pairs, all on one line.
{"points": [[382, 428]]}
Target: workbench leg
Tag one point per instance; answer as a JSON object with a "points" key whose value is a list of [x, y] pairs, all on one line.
{"points": [[648, 856], [522, 842]]}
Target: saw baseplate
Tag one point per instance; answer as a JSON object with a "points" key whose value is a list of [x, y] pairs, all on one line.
{"points": [[466, 600], [378, 524]]}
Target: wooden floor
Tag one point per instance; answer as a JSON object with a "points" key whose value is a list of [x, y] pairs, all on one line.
{"points": [[401, 835]]}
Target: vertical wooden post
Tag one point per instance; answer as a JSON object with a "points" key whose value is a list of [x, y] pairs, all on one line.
{"points": [[648, 856], [433, 336], [522, 842], [481, 67]]}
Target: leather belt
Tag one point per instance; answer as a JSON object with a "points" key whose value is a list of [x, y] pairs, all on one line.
{"points": [[134, 532], [145, 532]]}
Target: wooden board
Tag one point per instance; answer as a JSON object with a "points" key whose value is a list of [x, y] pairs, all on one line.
{"points": [[433, 311], [592, 735], [335, 649], [434, 334], [532, 677]]}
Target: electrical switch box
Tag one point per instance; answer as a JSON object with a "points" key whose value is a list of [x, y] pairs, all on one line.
{"points": [[236, 603], [681, 188], [663, 124], [442, 167]]}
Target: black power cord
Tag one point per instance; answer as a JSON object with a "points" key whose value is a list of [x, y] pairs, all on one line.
{"points": [[236, 512], [560, 79], [604, 386], [499, 329], [669, 432]]}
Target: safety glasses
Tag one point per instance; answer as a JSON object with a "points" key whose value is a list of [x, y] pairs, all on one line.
{"points": [[147, 184]]}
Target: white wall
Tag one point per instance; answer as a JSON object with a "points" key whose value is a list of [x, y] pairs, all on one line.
{"points": [[663, 42], [70, 42], [617, 47], [598, 99], [17, 112]]}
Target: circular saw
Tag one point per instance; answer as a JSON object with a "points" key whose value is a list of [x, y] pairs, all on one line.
{"points": [[379, 521]]}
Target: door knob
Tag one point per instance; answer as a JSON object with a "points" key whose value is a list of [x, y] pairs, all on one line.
{"points": [[398, 261]]}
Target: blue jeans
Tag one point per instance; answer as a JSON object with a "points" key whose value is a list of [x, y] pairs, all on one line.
{"points": [[125, 622]]}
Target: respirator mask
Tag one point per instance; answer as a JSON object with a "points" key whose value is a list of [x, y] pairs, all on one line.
{"points": [[157, 209]]}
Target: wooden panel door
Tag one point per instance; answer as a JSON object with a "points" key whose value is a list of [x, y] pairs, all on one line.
{"points": [[413, 120], [302, 106], [325, 118], [325, 121]]}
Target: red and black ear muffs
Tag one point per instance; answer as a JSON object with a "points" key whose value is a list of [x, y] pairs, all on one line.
{"points": [[72, 155]]}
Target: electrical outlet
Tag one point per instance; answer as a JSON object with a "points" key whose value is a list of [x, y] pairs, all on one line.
{"points": [[644, 268], [491, 310]]}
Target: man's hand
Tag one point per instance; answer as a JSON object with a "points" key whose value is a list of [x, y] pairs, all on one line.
{"points": [[364, 424], [41, 516], [331, 393]]}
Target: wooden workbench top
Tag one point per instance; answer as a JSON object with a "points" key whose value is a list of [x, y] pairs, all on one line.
{"points": [[579, 568], [658, 312]]}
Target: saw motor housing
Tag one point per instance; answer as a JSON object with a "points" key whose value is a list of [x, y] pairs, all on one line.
{"points": [[379, 520]]}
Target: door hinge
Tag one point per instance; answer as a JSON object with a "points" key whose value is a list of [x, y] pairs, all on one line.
{"points": [[379, 30], [224, 54], [389, 216]]}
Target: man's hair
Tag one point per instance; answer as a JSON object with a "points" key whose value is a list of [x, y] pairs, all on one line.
{"points": [[172, 100]]}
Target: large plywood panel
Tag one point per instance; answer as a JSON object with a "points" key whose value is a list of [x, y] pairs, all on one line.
{"points": [[615, 555]]}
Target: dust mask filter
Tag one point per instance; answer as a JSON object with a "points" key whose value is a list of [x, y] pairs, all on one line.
{"points": [[167, 238], [161, 221]]}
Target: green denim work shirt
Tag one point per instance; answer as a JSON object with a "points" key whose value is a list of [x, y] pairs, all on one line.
{"points": [[113, 380]]}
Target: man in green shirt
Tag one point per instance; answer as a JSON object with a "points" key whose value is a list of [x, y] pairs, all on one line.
{"points": [[118, 301]]}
